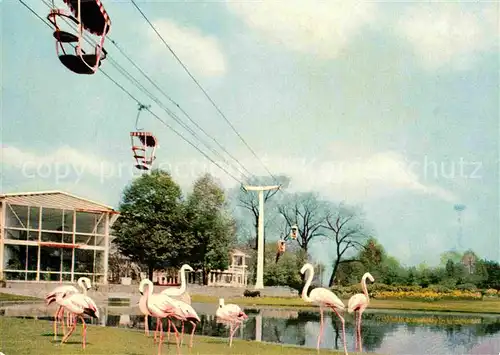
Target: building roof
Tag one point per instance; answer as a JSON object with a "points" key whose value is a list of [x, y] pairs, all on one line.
{"points": [[239, 253], [55, 199]]}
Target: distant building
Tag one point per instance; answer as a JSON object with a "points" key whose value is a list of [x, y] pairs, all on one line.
{"points": [[235, 276], [54, 236]]}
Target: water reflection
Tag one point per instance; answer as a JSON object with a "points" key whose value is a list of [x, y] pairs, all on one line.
{"points": [[386, 332]]}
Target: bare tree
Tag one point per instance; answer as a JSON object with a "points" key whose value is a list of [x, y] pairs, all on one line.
{"points": [[347, 231], [250, 200], [306, 211]]}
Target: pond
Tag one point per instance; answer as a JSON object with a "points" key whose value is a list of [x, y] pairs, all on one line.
{"points": [[383, 331]]}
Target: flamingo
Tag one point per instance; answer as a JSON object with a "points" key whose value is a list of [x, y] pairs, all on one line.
{"points": [[160, 306], [232, 314], [78, 304], [186, 313], [324, 298], [179, 293], [56, 294], [359, 302]]}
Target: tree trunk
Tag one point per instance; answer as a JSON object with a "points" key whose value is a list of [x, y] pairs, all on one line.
{"points": [[334, 272], [150, 272], [205, 277]]}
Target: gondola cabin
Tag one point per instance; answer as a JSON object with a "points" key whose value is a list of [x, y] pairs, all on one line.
{"points": [[143, 147], [88, 15]]}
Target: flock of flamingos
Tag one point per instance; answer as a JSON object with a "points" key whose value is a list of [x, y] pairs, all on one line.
{"points": [[175, 303]]}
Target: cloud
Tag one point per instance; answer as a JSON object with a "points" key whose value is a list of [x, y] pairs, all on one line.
{"points": [[321, 29], [359, 178], [447, 34], [199, 52], [60, 165]]}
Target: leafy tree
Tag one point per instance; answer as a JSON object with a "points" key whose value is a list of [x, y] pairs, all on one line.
{"points": [[347, 231], [151, 227], [306, 211], [493, 274], [211, 226], [287, 271]]}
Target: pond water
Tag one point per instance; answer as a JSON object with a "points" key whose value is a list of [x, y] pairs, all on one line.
{"points": [[384, 332]]}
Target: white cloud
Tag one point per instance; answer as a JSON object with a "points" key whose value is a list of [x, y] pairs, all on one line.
{"points": [[199, 52], [61, 164], [358, 179], [319, 28], [449, 34]]}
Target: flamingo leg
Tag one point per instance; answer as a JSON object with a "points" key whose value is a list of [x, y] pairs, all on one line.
{"points": [[161, 337], [177, 338], [356, 331], [182, 333], [343, 329], [71, 330], [56, 319], [157, 328], [146, 325], [192, 335], [84, 331], [359, 332], [168, 330], [230, 334], [234, 330], [320, 334]]}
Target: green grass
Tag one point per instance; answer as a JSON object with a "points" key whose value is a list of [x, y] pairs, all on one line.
{"points": [[4, 297], [30, 336], [484, 306]]}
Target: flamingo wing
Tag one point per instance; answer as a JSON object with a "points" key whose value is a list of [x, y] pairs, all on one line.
{"points": [[326, 297], [356, 301], [59, 292]]}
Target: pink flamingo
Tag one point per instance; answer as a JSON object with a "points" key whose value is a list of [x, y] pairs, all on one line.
{"points": [[359, 302], [179, 293], [144, 308], [78, 304], [57, 293], [160, 306], [232, 314], [323, 298], [185, 313]]}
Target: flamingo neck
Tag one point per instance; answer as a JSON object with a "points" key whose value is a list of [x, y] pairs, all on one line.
{"points": [[82, 286], [182, 289], [310, 276], [363, 285]]}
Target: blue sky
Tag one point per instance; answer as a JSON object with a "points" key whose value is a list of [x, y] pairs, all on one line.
{"points": [[372, 103]]}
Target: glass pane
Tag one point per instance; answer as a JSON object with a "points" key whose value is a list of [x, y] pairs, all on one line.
{"points": [[84, 239], [21, 257], [86, 222], [50, 259], [68, 221], [52, 237], [15, 275], [84, 261], [16, 216], [99, 262], [49, 276], [52, 219], [67, 238], [67, 256], [17, 234], [31, 276], [34, 218]]}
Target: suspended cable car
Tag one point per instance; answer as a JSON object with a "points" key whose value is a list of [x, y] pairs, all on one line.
{"points": [[281, 247], [91, 16], [144, 145]]}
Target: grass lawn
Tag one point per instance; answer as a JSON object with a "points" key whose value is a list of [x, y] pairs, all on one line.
{"points": [[4, 297], [484, 306], [30, 337]]}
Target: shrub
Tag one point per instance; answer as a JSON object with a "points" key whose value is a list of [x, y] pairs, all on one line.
{"points": [[250, 293], [491, 292], [3, 284], [467, 286], [439, 288]]}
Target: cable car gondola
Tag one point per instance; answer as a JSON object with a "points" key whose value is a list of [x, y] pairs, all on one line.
{"points": [[144, 145], [91, 16]]}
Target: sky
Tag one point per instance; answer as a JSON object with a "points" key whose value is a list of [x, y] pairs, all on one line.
{"points": [[393, 106]]}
